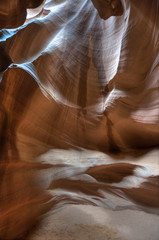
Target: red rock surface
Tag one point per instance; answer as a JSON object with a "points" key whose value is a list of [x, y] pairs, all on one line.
{"points": [[76, 75]]}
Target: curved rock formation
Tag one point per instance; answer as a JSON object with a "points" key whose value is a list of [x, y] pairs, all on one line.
{"points": [[77, 75]]}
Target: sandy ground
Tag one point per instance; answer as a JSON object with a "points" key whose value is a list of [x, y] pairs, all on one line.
{"points": [[94, 223], [77, 222]]}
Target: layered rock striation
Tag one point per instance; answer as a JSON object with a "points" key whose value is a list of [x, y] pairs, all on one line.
{"points": [[77, 75]]}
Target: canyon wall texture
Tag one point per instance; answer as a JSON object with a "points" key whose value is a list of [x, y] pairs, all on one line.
{"points": [[77, 76]]}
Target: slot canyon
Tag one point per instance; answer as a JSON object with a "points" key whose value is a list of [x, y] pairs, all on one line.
{"points": [[79, 119]]}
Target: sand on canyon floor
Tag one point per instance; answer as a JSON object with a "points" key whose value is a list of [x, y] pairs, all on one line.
{"points": [[94, 223]]}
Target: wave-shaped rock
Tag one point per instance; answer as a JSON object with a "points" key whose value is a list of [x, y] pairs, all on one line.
{"points": [[77, 75]]}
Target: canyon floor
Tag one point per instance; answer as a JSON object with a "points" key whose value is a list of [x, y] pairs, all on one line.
{"points": [[94, 223]]}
